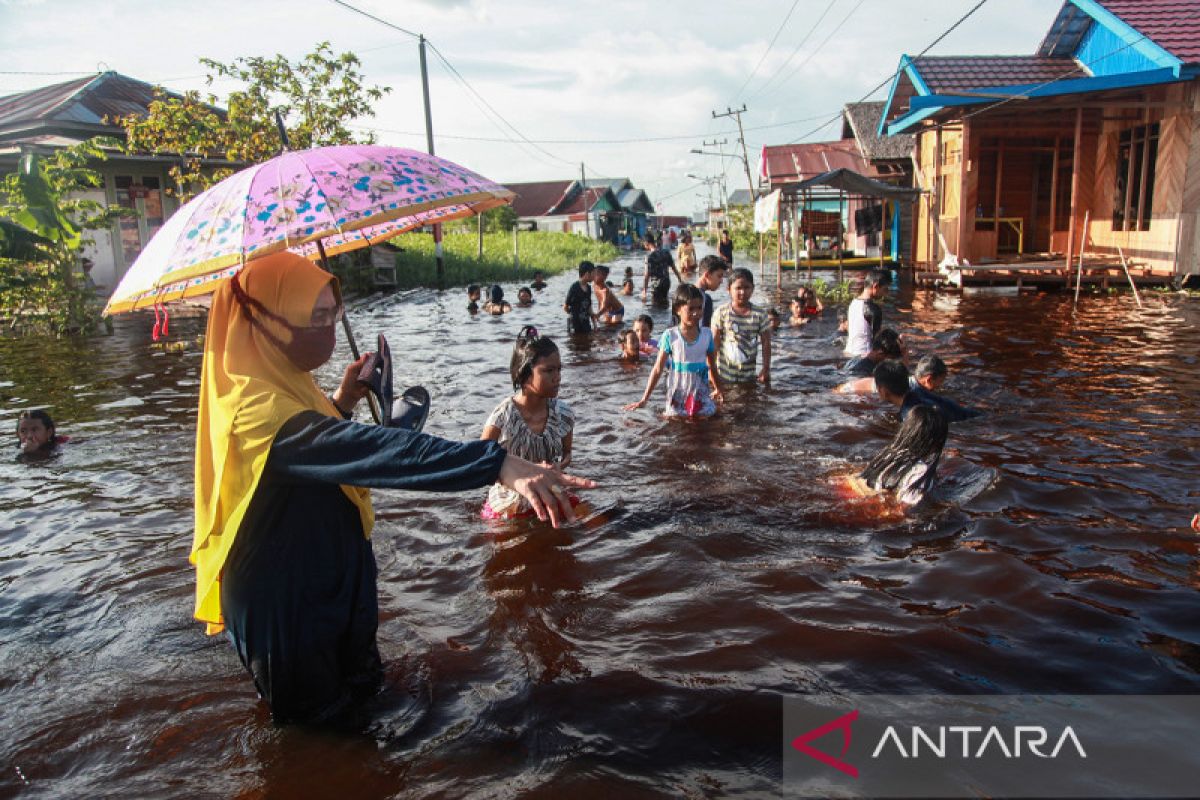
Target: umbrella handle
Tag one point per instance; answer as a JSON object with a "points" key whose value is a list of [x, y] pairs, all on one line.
{"points": [[375, 413], [371, 401]]}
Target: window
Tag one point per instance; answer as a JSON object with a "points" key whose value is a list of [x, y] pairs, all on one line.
{"points": [[1137, 155]]}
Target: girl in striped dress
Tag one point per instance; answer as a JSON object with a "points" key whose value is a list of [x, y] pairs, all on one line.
{"points": [[533, 424]]}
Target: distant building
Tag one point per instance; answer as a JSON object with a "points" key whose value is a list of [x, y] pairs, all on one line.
{"points": [[635, 205], [891, 160], [64, 114], [570, 207]]}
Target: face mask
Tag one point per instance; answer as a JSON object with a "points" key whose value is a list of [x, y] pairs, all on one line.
{"points": [[310, 347]]}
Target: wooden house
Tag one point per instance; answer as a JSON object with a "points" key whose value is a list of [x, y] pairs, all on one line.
{"points": [[569, 207], [1090, 142]]}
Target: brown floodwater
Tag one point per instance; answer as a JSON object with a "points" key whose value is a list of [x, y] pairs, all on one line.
{"points": [[643, 653]]}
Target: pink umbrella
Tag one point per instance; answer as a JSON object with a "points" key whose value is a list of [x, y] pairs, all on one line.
{"points": [[342, 197]]}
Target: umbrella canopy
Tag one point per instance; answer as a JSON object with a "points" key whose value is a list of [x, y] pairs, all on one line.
{"points": [[345, 196]]}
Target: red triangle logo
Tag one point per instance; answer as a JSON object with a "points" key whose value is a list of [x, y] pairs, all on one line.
{"points": [[842, 723]]}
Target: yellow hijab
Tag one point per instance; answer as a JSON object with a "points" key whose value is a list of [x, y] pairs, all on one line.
{"points": [[248, 389]]}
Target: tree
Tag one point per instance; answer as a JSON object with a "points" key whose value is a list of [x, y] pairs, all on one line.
{"points": [[39, 287], [317, 98]]}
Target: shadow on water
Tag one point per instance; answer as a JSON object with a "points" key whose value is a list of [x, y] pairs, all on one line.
{"points": [[643, 652]]}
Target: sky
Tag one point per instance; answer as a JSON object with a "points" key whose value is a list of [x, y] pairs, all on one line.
{"points": [[627, 89]]}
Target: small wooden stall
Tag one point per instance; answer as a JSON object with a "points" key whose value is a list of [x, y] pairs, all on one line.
{"points": [[818, 237]]}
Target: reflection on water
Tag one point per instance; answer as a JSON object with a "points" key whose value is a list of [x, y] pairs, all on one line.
{"points": [[643, 652]]}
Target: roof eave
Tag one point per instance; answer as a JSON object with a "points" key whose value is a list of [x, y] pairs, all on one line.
{"points": [[909, 69], [1131, 36]]}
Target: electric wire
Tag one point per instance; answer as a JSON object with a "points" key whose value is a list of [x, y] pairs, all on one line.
{"points": [[795, 50], [767, 52]]}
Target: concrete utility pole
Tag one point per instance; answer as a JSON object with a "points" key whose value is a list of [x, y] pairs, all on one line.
{"points": [[587, 216], [737, 114], [437, 228]]}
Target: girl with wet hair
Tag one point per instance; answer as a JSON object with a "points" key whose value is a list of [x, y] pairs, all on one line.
{"points": [[908, 465], [496, 304], [532, 424], [36, 433]]}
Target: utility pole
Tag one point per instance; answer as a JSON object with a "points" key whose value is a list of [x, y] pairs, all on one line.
{"points": [[437, 228], [737, 114], [721, 191], [587, 216]]}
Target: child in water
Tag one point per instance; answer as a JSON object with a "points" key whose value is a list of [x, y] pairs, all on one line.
{"points": [[631, 346], [627, 284], [473, 298], [774, 318], [643, 326], [907, 467], [36, 433], [524, 297], [609, 310], [496, 304], [533, 424], [738, 328], [689, 349], [539, 281]]}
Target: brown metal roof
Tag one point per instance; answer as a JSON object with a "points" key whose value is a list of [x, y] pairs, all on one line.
{"points": [[539, 199], [83, 102], [1173, 25], [948, 74], [792, 163]]}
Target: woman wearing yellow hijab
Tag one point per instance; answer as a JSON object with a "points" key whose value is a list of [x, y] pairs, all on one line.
{"points": [[283, 516]]}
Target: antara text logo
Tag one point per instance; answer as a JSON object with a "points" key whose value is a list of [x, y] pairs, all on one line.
{"points": [[944, 742]]}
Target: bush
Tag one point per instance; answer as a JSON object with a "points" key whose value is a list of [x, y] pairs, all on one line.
{"points": [[544, 251]]}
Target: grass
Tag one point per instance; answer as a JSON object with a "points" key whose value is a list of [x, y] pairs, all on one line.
{"points": [[544, 251]]}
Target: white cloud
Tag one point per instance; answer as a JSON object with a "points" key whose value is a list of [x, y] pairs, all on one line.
{"points": [[569, 71]]}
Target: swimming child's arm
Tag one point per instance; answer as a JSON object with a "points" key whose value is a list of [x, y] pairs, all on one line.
{"points": [[859, 386], [490, 432], [651, 382]]}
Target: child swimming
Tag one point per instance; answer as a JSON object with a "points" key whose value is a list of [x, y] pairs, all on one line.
{"points": [[738, 328], [496, 304], [36, 433], [524, 297], [908, 465], [775, 319], [533, 424], [631, 346], [643, 326], [691, 353], [539, 281], [627, 283], [893, 386], [609, 310], [473, 298]]}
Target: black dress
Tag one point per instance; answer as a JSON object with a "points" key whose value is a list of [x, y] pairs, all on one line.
{"points": [[298, 588]]}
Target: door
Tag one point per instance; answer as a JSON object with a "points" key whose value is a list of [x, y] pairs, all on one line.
{"points": [[143, 195]]}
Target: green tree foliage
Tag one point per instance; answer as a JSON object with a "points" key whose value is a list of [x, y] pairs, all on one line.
{"points": [[40, 287], [317, 97]]}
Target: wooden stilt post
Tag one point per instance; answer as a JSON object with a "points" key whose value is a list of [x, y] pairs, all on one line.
{"points": [[841, 240], [1079, 272], [1075, 158], [807, 246], [1132, 285]]}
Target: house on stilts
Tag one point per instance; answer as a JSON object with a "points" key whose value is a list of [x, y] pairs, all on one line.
{"points": [[1090, 145]]}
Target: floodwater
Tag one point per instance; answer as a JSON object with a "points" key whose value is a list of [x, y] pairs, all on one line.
{"points": [[644, 653]]}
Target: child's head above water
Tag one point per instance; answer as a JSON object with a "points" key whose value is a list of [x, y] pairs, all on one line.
{"points": [[631, 345], [473, 293], [525, 296], [688, 304], [585, 270], [741, 287], [643, 326], [496, 294], [888, 342], [600, 274], [891, 381], [930, 373], [535, 365], [35, 431]]}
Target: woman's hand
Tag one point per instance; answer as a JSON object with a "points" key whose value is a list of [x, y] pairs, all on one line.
{"points": [[544, 487], [634, 406], [351, 391]]}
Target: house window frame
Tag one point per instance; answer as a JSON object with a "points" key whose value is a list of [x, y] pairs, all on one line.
{"points": [[1136, 163]]}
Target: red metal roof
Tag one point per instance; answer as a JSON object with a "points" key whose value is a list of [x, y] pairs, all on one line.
{"points": [[83, 101], [1173, 25], [792, 163], [538, 199], [948, 74]]}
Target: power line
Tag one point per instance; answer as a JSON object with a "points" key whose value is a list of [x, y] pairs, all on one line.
{"points": [[641, 140], [894, 74], [381, 21], [824, 42], [766, 52], [795, 50]]}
